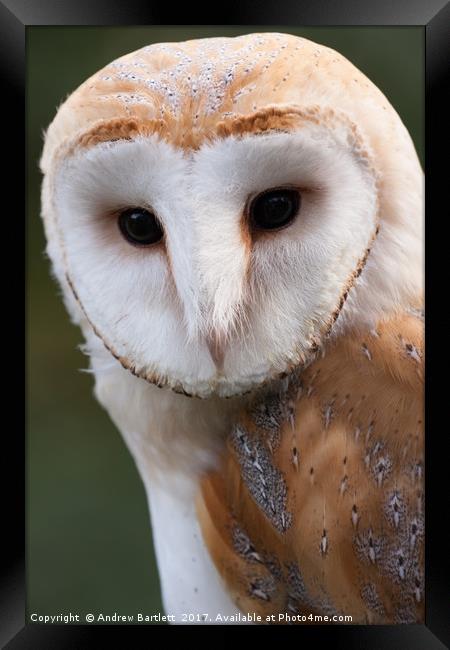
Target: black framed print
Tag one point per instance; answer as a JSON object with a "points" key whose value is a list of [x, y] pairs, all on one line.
{"points": [[228, 412]]}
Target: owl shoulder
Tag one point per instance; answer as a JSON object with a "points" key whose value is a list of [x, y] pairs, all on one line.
{"points": [[322, 483]]}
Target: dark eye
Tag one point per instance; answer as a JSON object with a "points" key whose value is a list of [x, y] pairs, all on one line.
{"points": [[140, 227], [275, 208]]}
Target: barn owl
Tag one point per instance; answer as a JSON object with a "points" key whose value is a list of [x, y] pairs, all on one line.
{"points": [[236, 225]]}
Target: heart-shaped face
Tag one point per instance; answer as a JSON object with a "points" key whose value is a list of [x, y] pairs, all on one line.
{"points": [[210, 207]]}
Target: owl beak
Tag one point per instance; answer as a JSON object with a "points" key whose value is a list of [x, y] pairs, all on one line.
{"points": [[216, 349]]}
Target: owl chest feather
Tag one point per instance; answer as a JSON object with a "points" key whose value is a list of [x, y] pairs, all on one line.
{"points": [[317, 508]]}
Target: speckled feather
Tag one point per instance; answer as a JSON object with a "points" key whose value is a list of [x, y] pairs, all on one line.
{"points": [[318, 504], [189, 91]]}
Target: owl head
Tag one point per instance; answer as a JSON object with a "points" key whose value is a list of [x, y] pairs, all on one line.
{"points": [[215, 209]]}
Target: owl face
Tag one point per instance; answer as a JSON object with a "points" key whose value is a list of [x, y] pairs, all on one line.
{"points": [[217, 269], [211, 205]]}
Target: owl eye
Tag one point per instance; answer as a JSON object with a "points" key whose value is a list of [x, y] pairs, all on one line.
{"points": [[275, 208], [140, 227]]}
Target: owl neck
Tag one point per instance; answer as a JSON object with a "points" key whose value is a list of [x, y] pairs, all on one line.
{"points": [[174, 440], [168, 434], [184, 435]]}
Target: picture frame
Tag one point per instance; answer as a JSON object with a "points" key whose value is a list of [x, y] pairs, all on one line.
{"points": [[16, 17]]}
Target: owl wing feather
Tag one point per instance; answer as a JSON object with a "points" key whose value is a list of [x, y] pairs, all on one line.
{"points": [[317, 507]]}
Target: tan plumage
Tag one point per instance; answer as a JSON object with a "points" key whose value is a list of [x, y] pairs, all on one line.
{"points": [[318, 505], [189, 91]]}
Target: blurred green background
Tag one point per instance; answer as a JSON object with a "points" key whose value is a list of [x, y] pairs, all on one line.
{"points": [[89, 543]]}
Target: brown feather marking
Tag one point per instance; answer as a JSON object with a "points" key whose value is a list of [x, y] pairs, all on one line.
{"points": [[354, 544]]}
